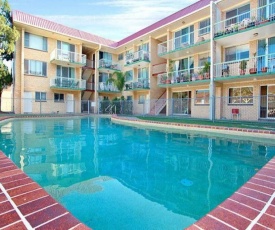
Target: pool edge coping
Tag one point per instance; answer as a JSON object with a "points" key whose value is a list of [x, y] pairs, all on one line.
{"points": [[12, 204], [193, 127]]}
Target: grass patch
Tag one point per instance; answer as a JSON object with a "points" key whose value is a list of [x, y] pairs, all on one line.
{"points": [[226, 123]]}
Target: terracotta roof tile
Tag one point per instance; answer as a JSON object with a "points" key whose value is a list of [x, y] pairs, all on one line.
{"points": [[32, 20]]}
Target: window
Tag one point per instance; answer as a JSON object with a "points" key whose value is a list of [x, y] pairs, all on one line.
{"points": [[237, 15], [144, 47], [120, 57], [143, 73], [103, 77], [64, 46], [184, 37], [67, 72], [104, 55], [141, 99], [203, 58], [35, 42], [58, 97], [241, 95], [237, 53], [33, 67], [40, 96], [202, 97], [129, 76], [204, 27]]}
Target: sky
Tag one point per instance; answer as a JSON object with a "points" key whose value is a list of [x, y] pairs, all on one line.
{"points": [[112, 19]]}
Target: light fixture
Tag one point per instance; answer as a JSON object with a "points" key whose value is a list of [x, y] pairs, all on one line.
{"points": [[183, 22], [255, 34]]}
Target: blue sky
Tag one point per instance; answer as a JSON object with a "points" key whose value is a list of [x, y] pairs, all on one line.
{"points": [[113, 19]]}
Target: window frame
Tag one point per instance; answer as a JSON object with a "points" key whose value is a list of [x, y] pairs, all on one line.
{"points": [[59, 100], [240, 97], [205, 100], [27, 37], [120, 57], [237, 53], [205, 28], [28, 65], [40, 96], [237, 16]]}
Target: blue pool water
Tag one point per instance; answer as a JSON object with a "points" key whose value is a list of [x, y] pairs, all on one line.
{"points": [[112, 176]]}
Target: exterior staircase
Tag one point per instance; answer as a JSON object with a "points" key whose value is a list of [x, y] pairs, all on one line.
{"points": [[159, 104]]}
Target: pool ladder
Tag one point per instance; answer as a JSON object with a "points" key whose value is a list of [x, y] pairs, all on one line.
{"points": [[109, 109]]}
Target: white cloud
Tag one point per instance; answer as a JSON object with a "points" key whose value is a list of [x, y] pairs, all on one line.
{"points": [[127, 17]]}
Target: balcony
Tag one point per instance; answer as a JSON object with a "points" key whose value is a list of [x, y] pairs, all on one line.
{"points": [[64, 57], [183, 77], [255, 67], [64, 83], [159, 68], [138, 59], [140, 85], [244, 27], [108, 65], [104, 87], [90, 86], [185, 45]]}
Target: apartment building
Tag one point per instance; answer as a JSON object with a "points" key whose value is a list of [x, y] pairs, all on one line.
{"points": [[212, 59]]}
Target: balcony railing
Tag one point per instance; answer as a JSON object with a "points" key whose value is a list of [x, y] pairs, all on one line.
{"points": [[68, 83], [249, 19], [90, 86], [138, 56], [103, 86], [253, 65], [184, 41], [182, 76], [109, 64], [90, 63], [136, 85], [67, 56]]}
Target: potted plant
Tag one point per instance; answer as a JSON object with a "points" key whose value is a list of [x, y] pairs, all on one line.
{"points": [[200, 75], [236, 27], [254, 69], [242, 67], [206, 70]]}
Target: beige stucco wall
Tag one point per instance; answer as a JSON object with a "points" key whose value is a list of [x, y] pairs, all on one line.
{"points": [[30, 83]]}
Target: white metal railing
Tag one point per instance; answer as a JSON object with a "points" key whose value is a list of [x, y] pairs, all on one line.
{"points": [[141, 55], [181, 76], [140, 84], [159, 68], [184, 41], [90, 63], [90, 86], [109, 64], [252, 65], [70, 83], [103, 86], [67, 56], [251, 18]]}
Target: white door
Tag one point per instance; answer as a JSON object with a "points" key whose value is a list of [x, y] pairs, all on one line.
{"points": [[27, 102], [70, 103]]}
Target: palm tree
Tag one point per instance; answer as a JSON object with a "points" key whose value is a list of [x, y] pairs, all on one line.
{"points": [[119, 81]]}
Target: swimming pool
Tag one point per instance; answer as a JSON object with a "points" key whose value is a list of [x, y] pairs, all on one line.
{"points": [[118, 177]]}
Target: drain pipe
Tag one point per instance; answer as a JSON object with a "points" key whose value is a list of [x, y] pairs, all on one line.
{"points": [[96, 80]]}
